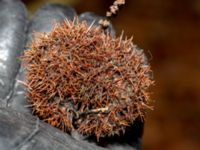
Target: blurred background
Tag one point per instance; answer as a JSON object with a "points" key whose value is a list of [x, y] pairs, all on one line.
{"points": [[169, 32]]}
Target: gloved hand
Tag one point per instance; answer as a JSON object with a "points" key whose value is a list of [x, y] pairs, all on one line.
{"points": [[18, 128]]}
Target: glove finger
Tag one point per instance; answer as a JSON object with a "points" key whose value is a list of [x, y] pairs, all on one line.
{"points": [[13, 24], [42, 21], [92, 18], [23, 131]]}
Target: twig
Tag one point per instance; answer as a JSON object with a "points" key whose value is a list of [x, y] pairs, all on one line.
{"points": [[114, 8]]}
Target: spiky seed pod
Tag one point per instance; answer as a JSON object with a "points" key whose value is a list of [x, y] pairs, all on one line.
{"points": [[80, 78]]}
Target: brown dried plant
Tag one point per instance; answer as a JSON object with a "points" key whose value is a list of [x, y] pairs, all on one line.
{"points": [[80, 78], [114, 8]]}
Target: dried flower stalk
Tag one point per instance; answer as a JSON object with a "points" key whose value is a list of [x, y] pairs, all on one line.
{"points": [[114, 8]]}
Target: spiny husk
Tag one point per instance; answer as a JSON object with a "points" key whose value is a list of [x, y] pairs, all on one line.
{"points": [[80, 78]]}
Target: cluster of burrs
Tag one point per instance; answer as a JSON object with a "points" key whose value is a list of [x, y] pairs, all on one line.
{"points": [[80, 78]]}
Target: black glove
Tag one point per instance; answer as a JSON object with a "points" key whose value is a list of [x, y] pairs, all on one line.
{"points": [[18, 128]]}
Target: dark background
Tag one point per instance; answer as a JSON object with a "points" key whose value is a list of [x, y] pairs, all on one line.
{"points": [[169, 32]]}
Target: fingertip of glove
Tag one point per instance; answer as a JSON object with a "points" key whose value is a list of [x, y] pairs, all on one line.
{"points": [[58, 10], [13, 17], [89, 17], [43, 18]]}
